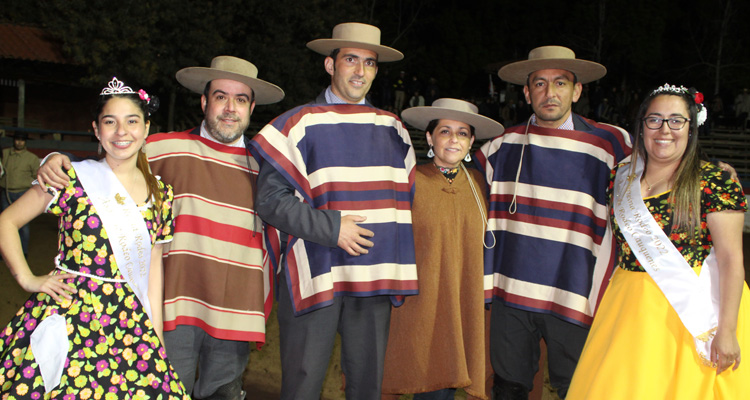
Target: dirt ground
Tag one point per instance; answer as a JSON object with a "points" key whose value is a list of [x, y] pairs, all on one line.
{"points": [[263, 375]]}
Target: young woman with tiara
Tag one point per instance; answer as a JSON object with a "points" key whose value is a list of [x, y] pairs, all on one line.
{"points": [[93, 326]]}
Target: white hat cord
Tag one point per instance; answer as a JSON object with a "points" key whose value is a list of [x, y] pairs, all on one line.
{"points": [[513, 205], [485, 223]]}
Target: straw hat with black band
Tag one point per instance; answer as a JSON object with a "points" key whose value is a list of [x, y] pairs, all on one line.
{"points": [[552, 57], [21, 136], [358, 36], [456, 110], [233, 68]]}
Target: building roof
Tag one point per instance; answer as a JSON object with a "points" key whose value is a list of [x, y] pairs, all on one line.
{"points": [[28, 43]]}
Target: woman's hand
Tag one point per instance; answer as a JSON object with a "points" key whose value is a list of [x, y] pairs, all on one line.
{"points": [[18, 214], [52, 285], [726, 232], [725, 350]]}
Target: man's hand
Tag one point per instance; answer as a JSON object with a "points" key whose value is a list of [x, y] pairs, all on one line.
{"points": [[726, 167], [352, 238], [51, 172]]}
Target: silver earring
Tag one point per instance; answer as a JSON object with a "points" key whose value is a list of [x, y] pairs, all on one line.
{"points": [[467, 158], [100, 148], [430, 153]]}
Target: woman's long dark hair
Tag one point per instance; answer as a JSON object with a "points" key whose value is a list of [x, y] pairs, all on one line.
{"points": [[686, 193]]}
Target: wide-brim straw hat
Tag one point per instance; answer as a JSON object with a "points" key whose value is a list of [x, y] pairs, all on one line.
{"points": [[21, 136], [552, 57], [453, 109], [358, 36], [236, 69]]}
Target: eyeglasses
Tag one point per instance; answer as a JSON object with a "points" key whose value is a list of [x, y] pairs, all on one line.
{"points": [[674, 123]]}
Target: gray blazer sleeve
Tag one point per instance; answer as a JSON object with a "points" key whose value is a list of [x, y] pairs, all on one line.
{"points": [[277, 205]]}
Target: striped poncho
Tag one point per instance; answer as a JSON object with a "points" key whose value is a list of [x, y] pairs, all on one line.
{"points": [[214, 273], [358, 160], [554, 253]]}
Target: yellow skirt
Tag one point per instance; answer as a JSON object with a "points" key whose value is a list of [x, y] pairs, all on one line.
{"points": [[639, 349]]}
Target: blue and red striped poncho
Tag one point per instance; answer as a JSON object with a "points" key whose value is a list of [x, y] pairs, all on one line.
{"points": [[359, 160], [554, 253]]}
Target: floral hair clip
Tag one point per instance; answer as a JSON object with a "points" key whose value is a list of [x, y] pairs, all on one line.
{"points": [[144, 96], [116, 86], [698, 97], [702, 115]]}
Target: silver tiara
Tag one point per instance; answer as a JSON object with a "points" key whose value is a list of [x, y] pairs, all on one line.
{"points": [[667, 88], [116, 86], [702, 113]]}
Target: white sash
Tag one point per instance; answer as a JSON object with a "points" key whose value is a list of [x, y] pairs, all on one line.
{"points": [[694, 297], [49, 344], [128, 235]]}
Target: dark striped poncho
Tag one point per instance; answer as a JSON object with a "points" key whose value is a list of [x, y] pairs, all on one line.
{"points": [[554, 254], [359, 160]]}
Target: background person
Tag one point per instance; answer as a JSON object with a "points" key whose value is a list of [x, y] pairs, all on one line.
{"points": [[651, 337], [742, 108], [437, 339], [93, 326], [18, 171], [399, 89], [416, 100]]}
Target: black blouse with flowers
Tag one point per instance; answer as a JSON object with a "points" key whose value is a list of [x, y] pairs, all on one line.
{"points": [[720, 193]]}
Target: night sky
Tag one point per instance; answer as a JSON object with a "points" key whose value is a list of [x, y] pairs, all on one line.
{"points": [[460, 43]]}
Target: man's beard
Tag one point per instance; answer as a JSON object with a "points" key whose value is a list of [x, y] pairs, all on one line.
{"points": [[224, 134]]}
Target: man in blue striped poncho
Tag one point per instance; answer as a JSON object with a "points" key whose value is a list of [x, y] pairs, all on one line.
{"points": [[337, 182], [548, 179]]}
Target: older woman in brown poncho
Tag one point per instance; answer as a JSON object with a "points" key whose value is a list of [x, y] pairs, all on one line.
{"points": [[437, 339]]}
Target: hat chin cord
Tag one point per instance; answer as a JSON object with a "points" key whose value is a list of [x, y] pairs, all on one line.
{"points": [[513, 204], [485, 223]]}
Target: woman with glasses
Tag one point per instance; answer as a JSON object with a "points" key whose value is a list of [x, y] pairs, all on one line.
{"points": [[675, 315], [674, 318]]}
